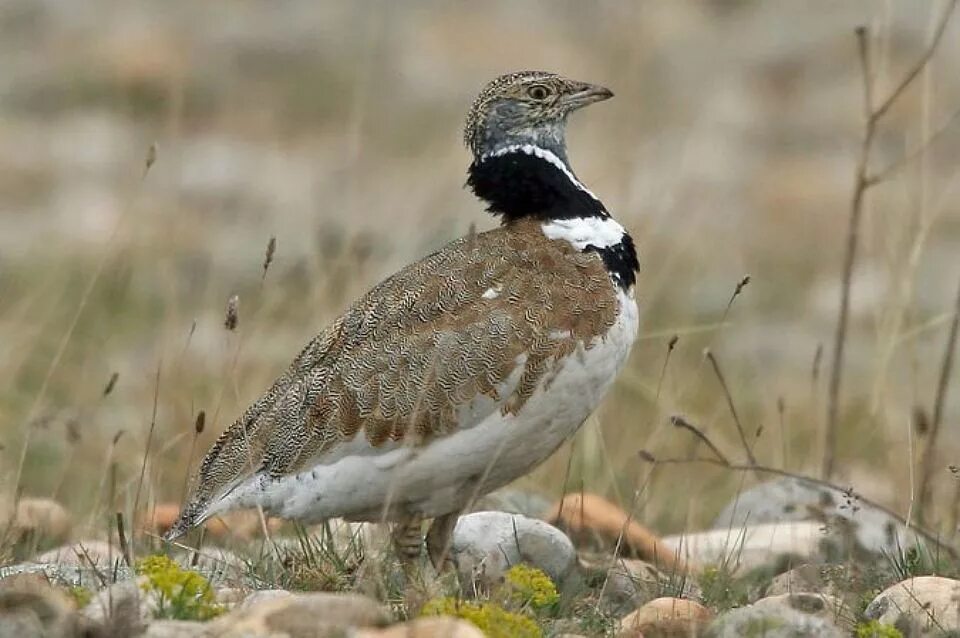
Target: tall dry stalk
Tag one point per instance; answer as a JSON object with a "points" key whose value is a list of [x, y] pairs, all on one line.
{"points": [[864, 179], [925, 491]]}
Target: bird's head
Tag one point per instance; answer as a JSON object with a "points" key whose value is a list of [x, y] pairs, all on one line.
{"points": [[527, 107]]}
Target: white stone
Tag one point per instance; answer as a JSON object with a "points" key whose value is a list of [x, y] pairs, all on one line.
{"points": [[749, 546], [927, 604], [791, 499], [487, 544]]}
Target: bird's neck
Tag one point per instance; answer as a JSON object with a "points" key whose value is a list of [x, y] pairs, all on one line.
{"points": [[525, 181]]}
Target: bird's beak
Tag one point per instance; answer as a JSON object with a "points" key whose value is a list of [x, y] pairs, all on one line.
{"points": [[587, 94]]}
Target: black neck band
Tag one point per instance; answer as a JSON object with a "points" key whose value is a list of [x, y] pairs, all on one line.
{"points": [[519, 184]]}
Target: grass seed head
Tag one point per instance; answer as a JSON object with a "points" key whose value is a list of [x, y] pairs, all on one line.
{"points": [[232, 315]]}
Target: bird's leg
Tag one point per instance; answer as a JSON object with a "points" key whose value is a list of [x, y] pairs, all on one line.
{"points": [[407, 537], [440, 540]]}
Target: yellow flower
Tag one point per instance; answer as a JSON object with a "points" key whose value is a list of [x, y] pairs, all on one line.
{"points": [[493, 620], [181, 594]]}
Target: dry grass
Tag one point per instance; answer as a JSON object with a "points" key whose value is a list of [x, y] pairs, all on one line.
{"points": [[724, 153]]}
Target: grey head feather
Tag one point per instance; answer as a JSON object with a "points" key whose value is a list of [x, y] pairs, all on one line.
{"points": [[527, 107]]}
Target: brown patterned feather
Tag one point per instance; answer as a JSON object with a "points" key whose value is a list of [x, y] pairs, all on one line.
{"points": [[407, 356]]}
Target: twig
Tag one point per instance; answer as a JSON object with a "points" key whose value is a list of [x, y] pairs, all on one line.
{"points": [[623, 530], [853, 234], [862, 182], [918, 65], [680, 422], [898, 164], [733, 297], [733, 409], [198, 425], [671, 345], [926, 459], [146, 451], [122, 537]]}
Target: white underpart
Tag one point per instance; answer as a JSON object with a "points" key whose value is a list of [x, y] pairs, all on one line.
{"points": [[601, 232], [493, 292], [546, 155], [483, 454]]}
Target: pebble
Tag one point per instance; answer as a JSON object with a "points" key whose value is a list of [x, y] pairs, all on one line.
{"points": [[666, 618], [487, 544], [770, 621], [925, 606], [301, 615], [437, 627]]}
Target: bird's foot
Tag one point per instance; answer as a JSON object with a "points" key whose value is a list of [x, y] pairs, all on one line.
{"points": [[440, 542]]}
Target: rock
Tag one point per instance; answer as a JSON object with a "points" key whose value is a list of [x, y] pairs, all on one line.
{"points": [[31, 608], [123, 607], [830, 608], [42, 521], [68, 576], [837, 581], [750, 546], [487, 544], [514, 501], [436, 627], [806, 577], [922, 606], [230, 597], [177, 629], [311, 615], [263, 595], [589, 515], [665, 618], [853, 524], [82, 554], [770, 621], [626, 586], [631, 583], [25, 582]]}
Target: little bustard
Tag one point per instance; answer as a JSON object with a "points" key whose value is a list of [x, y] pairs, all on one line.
{"points": [[462, 371]]}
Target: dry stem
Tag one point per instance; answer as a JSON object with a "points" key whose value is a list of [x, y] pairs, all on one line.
{"points": [[926, 459], [863, 180]]}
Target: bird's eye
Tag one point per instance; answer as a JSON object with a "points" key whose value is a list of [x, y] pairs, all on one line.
{"points": [[538, 92]]}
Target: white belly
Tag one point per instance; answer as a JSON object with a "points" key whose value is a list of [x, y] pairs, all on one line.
{"points": [[449, 472]]}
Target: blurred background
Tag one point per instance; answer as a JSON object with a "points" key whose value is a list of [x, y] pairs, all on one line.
{"points": [[730, 149]]}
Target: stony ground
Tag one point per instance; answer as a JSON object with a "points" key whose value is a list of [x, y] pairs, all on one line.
{"points": [[521, 566], [730, 149]]}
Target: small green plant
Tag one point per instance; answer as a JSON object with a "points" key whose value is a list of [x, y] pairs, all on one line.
{"points": [[181, 594], [492, 619], [874, 629], [529, 587], [721, 589], [80, 595]]}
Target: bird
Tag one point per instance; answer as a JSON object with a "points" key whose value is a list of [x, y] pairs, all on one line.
{"points": [[462, 371]]}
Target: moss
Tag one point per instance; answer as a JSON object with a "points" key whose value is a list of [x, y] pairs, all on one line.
{"points": [[874, 629], [181, 594], [80, 596], [530, 587], [493, 620]]}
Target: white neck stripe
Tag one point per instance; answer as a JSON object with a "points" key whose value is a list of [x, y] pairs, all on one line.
{"points": [[544, 154], [599, 232]]}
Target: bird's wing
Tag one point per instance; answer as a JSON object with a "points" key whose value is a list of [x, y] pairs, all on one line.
{"points": [[441, 335]]}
